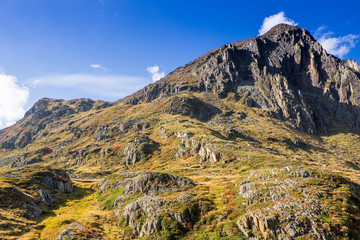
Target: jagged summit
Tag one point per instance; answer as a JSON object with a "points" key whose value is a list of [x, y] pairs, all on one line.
{"points": [[285, 28]]}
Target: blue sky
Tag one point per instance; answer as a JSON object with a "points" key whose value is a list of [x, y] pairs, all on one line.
{"points": [[102, 49]]}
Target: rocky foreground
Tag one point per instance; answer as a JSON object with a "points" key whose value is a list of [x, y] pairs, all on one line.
{"points": [[25, 194]]}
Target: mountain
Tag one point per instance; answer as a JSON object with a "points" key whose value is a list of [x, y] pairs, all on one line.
{"points": [[256, 139], [285, 72]]}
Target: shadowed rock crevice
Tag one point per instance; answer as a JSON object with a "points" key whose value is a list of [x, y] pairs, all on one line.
{"points": [[192, 107]]}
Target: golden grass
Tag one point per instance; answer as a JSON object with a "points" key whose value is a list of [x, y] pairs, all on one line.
{"points": [[80, 206]]}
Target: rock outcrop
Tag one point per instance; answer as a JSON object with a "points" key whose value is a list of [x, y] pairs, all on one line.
{"points": [[70, 231], [207, 152], [162, 215], [141, 146], [76, 231], [34, 187], [152, 213], [147, 183], [297, 206], [55, 179]]}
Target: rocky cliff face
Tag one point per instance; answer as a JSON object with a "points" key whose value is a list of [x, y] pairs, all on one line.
{"points": [[285, 72]]}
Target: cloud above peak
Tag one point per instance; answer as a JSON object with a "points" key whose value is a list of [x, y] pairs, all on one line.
{"points": [[338, 46], [155, 72], [13, 98], [274, 20]]}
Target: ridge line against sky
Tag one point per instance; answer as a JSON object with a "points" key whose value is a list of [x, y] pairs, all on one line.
{"points": [[94, 59]]}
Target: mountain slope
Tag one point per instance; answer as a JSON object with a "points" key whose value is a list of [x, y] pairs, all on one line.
{"points": [[258, 138]]}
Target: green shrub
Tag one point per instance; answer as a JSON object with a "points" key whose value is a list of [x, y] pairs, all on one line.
{"points": [[108, 198], [170, 228]]}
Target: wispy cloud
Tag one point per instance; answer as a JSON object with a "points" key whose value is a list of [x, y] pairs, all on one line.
{"points": [[155, 72], [13, 98], [339, 46], [100, 66], [105, 86], [274, 20]]}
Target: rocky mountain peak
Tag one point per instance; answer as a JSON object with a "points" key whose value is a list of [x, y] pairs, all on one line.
{"points": [[285, 72], [286, 29]]}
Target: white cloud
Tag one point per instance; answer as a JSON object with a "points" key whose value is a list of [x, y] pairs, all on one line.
{"points": [[35, 83], [99, 66], [155, 72], [339, 46], [101, 86], [274, 20], [13, 97]]}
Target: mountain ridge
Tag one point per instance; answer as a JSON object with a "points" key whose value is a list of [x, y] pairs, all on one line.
{"points": [[305, 62]]}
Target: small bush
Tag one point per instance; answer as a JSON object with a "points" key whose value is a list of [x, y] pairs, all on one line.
{"points": [[170, 228], [108, 199]]}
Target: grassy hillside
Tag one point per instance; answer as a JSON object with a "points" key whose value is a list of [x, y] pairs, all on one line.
{"points": [[237, 146]]}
